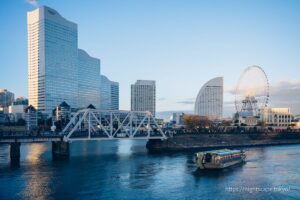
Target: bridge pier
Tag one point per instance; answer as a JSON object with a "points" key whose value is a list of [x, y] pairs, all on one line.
{"points": [[15, 152], [60, 149]]}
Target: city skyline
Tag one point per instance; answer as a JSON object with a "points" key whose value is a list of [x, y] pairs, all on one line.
{"points": [[173, 99], [176, 46]]}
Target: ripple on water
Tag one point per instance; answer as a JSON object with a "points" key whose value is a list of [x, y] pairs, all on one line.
{"points": [[125, 170]]}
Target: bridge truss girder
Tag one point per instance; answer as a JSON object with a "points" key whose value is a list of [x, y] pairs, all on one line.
{"points": [[92, 124]]}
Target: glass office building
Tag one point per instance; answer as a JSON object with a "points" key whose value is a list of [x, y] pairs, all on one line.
{"points": [[52, 60], [88, 80], [114, 92], [109, 94]]}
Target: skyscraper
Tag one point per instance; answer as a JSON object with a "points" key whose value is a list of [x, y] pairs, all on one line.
{"points": [[109, 94], [209, 100], [88, 80], [52, 60], [143, 96], [114, 92]]}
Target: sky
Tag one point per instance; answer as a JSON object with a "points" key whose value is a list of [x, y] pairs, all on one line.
{"points": [[179, 43]]}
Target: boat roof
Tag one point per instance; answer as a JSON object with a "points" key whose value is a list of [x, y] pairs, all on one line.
{"points": [[222, 152]]}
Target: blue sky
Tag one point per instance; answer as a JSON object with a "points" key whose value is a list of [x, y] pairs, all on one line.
{"points": [[180, 44]]}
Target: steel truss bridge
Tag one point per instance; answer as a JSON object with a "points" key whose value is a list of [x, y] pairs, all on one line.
{"points": [[92, 124]]}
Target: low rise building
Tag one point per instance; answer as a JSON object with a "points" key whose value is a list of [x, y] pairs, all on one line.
{"points": [[249, 121], [18, 111], [177, 118], [31, 118], [62, 112], [276, 117], [21, 101]]}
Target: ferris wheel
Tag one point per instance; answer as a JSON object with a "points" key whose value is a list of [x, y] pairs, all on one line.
{"points": [[252, 91]]}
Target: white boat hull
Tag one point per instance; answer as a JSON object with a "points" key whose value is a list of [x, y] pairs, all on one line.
{"points": [[219, 159]]}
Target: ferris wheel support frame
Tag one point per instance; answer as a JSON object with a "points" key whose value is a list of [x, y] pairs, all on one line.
{"points": [[267, 87]]}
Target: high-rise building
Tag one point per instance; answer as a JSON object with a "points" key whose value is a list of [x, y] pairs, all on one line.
{"points": [[209, 101], [52, 60], [6, 98], [114, 92], [60, 72], [109, 94], [105, 93], [143, 96], [88, 80]]}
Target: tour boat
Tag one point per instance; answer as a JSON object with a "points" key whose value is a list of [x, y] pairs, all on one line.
{"points": [[219, 159]]}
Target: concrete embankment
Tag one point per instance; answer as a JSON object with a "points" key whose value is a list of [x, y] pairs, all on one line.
{"points": [[205, 141]]}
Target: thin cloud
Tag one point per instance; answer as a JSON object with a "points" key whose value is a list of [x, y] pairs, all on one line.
{"points": [[186, 102], [291, 84], [228, 103], [230, 89], [285, 93], [34, 3]]}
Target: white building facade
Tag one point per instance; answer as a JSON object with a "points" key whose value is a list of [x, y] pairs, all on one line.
{"points": [[209, 101], [143, 96], [17, 111], [276, 117]]}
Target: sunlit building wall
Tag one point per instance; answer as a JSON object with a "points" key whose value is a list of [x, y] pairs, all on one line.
{"points": [[209, 101], [17, 111], [88, 80], [277, 117], [52, 60]]}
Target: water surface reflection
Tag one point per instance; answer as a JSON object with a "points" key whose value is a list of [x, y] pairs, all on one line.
{"points": [[125, 170]]}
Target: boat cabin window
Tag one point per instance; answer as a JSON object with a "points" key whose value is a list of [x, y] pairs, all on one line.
{"points": [[208, 157]]}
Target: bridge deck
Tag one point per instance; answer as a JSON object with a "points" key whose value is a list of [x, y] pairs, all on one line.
{"points": [[26, 139]]}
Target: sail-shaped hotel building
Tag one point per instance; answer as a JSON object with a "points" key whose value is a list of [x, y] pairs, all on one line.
{"points": [[209, 101]]}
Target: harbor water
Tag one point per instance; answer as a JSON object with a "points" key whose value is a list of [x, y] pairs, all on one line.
{"points": [[124, 169]]}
